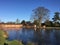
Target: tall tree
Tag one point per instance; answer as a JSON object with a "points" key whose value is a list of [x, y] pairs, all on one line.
{"points": [[17, 21], [40, 14], [56, 17]]}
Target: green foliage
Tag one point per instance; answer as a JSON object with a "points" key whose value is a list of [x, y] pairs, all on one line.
{"points": [[36, 22], [49, 23], [23, 22], [30, 43], [15, 42], [56, 24], [2, 38], [56, 17]]}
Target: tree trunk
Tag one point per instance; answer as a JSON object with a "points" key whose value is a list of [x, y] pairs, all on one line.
{"points": [[39, 23]]}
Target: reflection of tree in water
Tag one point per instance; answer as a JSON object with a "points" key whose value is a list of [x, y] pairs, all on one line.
{"points": [[46, 37], [52, 37], [42, 37], [57, 35], [38, 37]]}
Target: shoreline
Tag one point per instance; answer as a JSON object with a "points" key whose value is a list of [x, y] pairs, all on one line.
{"points": [[58, 28], [46, 28]]}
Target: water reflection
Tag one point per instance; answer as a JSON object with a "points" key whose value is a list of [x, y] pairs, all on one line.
{"points": [[40, 36]]}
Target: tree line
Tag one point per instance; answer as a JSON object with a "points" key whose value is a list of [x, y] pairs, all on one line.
{"points": [[39, 15]]}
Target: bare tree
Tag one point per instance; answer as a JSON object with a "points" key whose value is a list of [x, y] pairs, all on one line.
{"points": [[40, 14]]}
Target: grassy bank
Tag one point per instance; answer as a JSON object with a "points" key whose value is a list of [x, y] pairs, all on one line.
{"points": [[57, 28]]}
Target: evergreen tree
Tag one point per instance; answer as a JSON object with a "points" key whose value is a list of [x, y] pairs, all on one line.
{"points": [[56, 17]]}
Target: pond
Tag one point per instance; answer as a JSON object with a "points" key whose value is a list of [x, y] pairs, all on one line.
{"points": [[42, 36]]}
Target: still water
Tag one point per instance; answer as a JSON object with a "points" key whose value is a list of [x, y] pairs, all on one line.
{"points": [[42, 37]]}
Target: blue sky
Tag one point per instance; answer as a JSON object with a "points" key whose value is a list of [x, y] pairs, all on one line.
{"points": [[10, 10]]}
